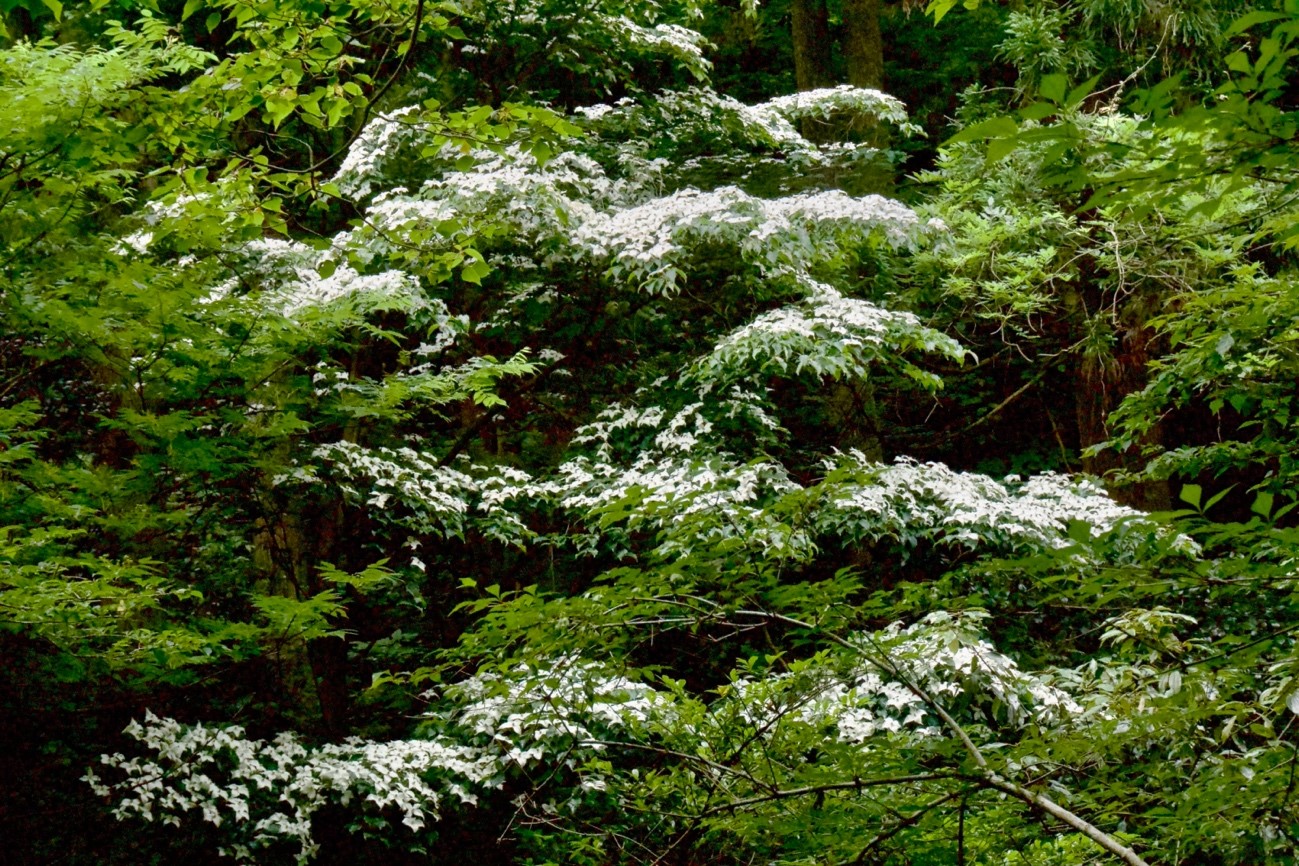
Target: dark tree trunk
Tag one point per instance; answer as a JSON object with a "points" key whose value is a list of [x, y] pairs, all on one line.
{"points": [[1101, 384], [811, 31], [853, 411], [310, 675], [863, 43], [863, 49]]}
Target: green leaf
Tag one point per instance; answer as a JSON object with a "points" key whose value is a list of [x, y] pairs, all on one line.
{"points": [[1000, 148], [191, 6], [1053, 87], [1038, 111], [1263, 505], [993, 127], [1217, 497], [474, 272], [1249, 19], [1191, 494], [1080, 531], [278, 109], [939, 8], [1081, 92], [541, 152], [55, 7]]}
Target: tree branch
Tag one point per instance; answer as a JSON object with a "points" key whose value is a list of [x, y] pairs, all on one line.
{"points": [[854, 785], [986, 775]]}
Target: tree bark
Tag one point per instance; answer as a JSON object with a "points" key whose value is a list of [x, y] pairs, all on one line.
{"points": [[1103, 380], [863, 43], [810, 23], [854, 413]]}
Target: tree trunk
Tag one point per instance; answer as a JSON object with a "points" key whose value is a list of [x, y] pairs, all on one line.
{"points": [[863, 43], [1102, 383], [310, 675], [854, 413], [811, 31]]}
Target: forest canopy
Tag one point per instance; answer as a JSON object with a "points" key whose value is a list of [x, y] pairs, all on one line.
{"points": [[596, 432]]}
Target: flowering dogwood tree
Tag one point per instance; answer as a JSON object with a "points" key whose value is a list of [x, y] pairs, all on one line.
{"points": [[659, 278]]}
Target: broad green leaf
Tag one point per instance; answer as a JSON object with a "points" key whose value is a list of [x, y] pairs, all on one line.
{"points": [[1052, 88], [1250, 19], [994, 127], [1262, 505], [1081, 92], [940, 8], [474, 271], [999, 148]]}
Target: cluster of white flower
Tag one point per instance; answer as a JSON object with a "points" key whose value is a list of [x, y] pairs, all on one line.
{"points": [[623, 433], [857, 702], [434, 499], [557, 709], [565, 35], [690, 503], [672, 40], [541, 206], [701, 114], [536, 202], [137, 242], [650, 244], [947, 656], [678, 432], [562, 698], [438, 493], [667, 490], [830, 335], [368, 291], [910, 501], [683, 116], [269, 790], [558, 207], [571, 209], [845, 99], [378, 141], [396, 215], [177, 211], [828, 212], [693, 501], [292, 285], [941, 658]]}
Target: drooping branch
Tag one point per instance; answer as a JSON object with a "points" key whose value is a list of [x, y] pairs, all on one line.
{"points": [[809, 790], [986, 775], [1055, 810], [903, 823]]}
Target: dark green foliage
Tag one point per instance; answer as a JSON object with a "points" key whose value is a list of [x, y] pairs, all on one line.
{"points": [[476, 377]]}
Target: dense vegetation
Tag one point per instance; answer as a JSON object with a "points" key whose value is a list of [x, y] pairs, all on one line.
{"points": [[585, 431]]}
